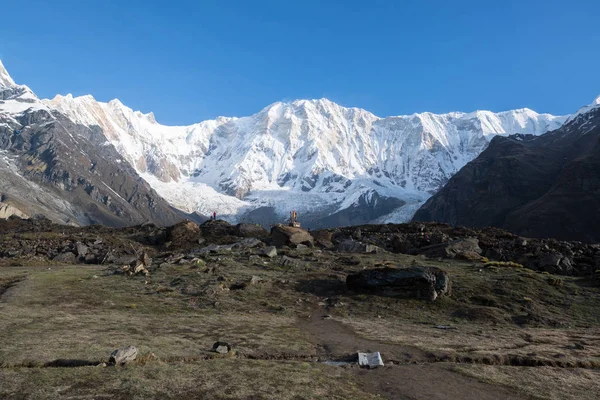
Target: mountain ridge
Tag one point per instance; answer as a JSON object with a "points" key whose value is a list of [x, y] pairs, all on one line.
{"points": [[322, 148], [545, 186], [329, 162]]}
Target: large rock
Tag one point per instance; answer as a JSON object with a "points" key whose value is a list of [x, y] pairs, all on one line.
{"points": [[217, 228], [251, 230], [123, 355], [290, 236], [82, 249], [466, 249], [270, 252], [353, 246], [183, 234], [414, 282], [323, 238], [66, 258]]}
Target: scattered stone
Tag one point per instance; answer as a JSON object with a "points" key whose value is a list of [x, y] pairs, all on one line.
{"points": [[221, 347], [123, 355], [270, 252], [290, 262], [217, 249], [250, 243]]}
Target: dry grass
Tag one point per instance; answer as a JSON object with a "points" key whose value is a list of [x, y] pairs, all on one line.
{"points": [[82, 313], [540, 382], [212, 379]]}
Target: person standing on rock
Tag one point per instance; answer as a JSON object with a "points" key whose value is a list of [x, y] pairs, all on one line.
{"points": [[214, 215]]}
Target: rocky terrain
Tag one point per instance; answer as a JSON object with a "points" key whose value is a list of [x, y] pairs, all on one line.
{"points": [[237, 311], [38, 240], [546, 186]]}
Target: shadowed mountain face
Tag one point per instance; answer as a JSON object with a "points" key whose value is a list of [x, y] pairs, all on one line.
{"points": [[68, 172], [546, 186]]}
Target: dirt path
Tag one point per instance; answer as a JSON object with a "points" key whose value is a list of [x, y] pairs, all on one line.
{"points": [[416, 377]]}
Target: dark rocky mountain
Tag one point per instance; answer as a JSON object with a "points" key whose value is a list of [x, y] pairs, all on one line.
{"points": [[52, 166], [545, 186]]}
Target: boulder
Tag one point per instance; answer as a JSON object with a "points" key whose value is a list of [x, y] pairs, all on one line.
{"points": [[251, 230], [415, 282], [250, 243], [217, 249], [555, 263], [353, 246], [221, 347], [184, 233], [66, 258], [123, 355], [323, 238], [290, 262], [270, 252], [466, 249], [290, 236], [217, 228], [81, 249]]}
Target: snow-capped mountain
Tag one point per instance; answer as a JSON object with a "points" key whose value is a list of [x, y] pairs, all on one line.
{"points": [[65, 171], [313, 156], [333, 165]]}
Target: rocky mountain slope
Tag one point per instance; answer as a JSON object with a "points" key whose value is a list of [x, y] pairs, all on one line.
{"points": [[546, 186], [334, 165], [53, 166]]}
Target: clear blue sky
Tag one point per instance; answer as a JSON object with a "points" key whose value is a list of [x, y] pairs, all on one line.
{"points": [[193, 60]]}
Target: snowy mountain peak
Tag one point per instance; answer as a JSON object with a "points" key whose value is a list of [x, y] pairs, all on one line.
{"points": [[314, 156], [5, 79], [585, 109]]}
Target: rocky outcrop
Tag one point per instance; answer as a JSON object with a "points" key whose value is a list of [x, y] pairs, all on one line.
{"points": [[184, 233], [251, 230], [426, 283], [8, 210]]}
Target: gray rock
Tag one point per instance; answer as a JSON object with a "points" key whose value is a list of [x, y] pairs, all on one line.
{"points": [[250, 243], [270, 252], [414, 282], [290, 262], [353, 246], [221, 347], [123, 355], [82, 249], [66, 257], [251, 230], [218, 249], [290, 236]]}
